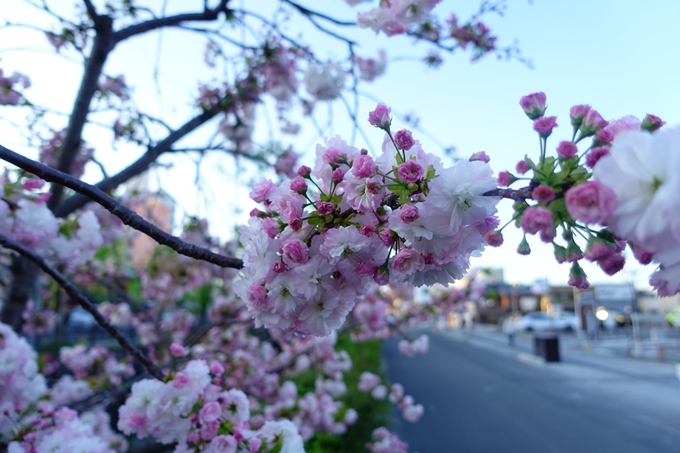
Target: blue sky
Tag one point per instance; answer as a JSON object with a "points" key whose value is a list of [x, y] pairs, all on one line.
{"points": [[618, 56]]}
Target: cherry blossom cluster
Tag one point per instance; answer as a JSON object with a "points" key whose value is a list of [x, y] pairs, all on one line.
{"points": [[322, 239], [10, 87], [25, 218], [370, 382], [51, 148], [474, 34], [383, 441], [195, 411], [394, 17], [29, 421], [622, 181]]}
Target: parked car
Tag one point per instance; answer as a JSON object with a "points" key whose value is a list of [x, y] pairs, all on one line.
{"points": [[540, 322]]}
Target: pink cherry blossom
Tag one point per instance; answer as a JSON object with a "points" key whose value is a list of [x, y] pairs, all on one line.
{"points": [[590, 202]]}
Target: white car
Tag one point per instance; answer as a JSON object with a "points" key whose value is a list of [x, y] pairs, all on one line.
{"points": [[541, 322]]}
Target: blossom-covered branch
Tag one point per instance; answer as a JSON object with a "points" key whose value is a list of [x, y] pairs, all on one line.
{"points": [[74, 294], [128, 216]]}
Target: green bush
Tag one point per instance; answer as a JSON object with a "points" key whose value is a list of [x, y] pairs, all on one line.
{"points": [[372, 413]]}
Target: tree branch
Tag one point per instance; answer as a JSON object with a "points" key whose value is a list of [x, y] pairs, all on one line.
{"points": [[139, 166], [170, 21], [308, 12], [88, 87], [513, 194], [91, 11], [74, 294], [128, 216]]}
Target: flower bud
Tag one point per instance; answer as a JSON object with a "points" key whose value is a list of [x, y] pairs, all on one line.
{"points": [[560, 253], [494, 238], [545, 125], [577, 277], [533, 105], [480, 155], [505, 178], [524, 248], [304, 171], [404, 139], [380, 117], [651, 123]]}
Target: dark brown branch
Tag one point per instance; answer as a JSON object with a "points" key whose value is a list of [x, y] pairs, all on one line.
{"points": [[513, 194], [170, 21], [308, 12], [139, 166], [75, 295], [88, 87], [128, 216], [91, 11]]}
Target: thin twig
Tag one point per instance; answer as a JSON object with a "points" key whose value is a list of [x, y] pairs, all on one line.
{"points": [[128, 216], [75, 295]]}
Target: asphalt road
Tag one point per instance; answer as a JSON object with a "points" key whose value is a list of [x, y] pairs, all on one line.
{"points": [[495, 399]]}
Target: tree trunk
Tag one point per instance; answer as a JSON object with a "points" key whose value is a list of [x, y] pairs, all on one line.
{"points": [[24, 274]]}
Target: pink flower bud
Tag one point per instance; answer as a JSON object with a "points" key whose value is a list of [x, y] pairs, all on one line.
{"points": [[325, 208], [545, 125], [535, 219], [643, 256], [605, 136], [533, 105], [522, 167], [480, 155], [304, 171], [279, 267], [365, 269], [577, 113], [651, 123], [595, 154], [338, 175], [404, 139], [367, 230], [34, 184], [295, 224], [567, 150], [254, 444], [380, 117], [494, 238], [543, 194], [298, 185], [363, 167], [506, 178], [592, 122], [386, 237], [577, 278], [590, 202], [381, 276], [410, 171], [176, 349], [597, 250], [216, 367], [408, 213], [613, 264]]}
